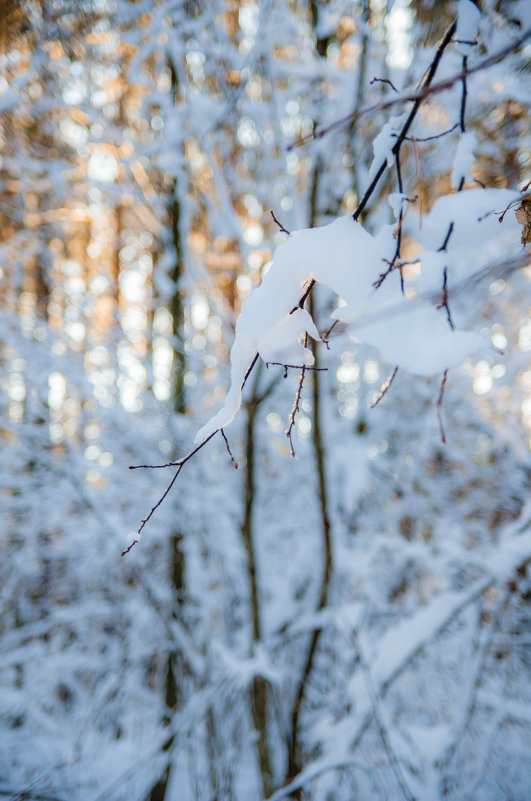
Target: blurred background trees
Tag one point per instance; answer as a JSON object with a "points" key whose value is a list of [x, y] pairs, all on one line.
{"points": [[352, 623]]}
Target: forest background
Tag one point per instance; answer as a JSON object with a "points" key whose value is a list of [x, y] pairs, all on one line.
{"points": [[351, 623]]}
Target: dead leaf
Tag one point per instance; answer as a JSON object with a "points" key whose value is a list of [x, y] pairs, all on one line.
{"points": [[523, 215]]}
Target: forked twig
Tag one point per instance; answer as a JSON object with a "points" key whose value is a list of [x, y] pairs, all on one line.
{"points": [[179, 464], [296, 405]]}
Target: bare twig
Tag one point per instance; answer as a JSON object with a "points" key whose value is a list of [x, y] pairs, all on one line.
{"points": [[430, 138], [383, 389], [384, 80], [233, 460], [462, 111], [326, 334], [297, 367], [180, 464], [449, 232], [511, 205], [444, 304], [296, 405], [439, 405], [425, 85], [284, 230], [395, 262], [304, 296]]}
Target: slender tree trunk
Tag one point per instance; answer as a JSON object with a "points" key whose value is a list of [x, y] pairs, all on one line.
{"points": [[358, 102], [173, 667], [174, 670], [176, 301], [294, 746], [258, 690]]}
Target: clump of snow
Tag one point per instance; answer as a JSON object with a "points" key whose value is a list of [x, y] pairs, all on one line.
{"points": [[464, 158], [282, 342], [331, 255], [473, 213], [395, 200], [416, 336], [347, 259], [468, 16], [383, 144]]}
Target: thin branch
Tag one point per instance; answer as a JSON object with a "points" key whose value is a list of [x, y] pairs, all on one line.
{"points": [[296, 405], [297, 367], [384, 80], [249, 370], [439, 405], [429, 138], [425, 84], [462, 111], [233, 460], [326, 335], [153, 510], [284, 230], [180, 464], [420, 95], [444, 304], [501, 214], [327, 568], [449, 233], [383, 389], [304, 297]]}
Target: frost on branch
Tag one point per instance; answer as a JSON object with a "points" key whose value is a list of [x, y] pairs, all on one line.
{"points": [[346, 258]]}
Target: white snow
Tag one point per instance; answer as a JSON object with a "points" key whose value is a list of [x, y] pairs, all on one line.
{"points": [[468, 16], [417, 337], [464, 158], [383, 144], [282, 343], [395, 200], [474, 218]]}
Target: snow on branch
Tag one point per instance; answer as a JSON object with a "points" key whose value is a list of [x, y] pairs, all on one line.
{"points": [[418, 336], [344, 257]]}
